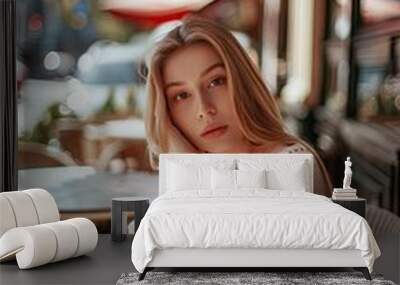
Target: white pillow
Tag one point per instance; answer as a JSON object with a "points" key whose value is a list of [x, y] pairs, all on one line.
{"points": [[181, 177], [186, 174], [251, 178], [282, 174], [223, 179], [294, 179], [227, 179]]}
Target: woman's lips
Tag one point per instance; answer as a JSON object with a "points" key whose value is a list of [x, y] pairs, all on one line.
{"points": [[215, 133]]}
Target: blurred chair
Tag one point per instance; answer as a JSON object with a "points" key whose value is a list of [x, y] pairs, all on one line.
{"points": [[34, 155], [69, 133], [131, 154], [382, 221], [386, 228]]}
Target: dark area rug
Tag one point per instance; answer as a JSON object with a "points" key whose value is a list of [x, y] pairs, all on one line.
{"points": [[225, 278]]}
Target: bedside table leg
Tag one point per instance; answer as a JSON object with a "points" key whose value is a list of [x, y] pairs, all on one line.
{"points": [[364, 271], [116, 221]]}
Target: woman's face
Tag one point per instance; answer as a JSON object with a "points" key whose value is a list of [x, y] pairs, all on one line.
{"points": [[196, 90]]}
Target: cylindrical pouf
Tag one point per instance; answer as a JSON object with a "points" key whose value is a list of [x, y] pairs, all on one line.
{"points": [[45, 243], [87, 234], [45, 205], [67, 240], [7, 218], [27, 208], [23, 208], [34, 245]]}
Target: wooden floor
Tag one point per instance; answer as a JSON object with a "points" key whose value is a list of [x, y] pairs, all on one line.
{"points": [[102, 266], [389, 262], [110, 259]]}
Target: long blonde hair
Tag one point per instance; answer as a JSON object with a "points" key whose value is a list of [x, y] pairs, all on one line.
{"points": [[258, 114]]}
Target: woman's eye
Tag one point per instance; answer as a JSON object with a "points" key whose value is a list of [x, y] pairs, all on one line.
{"points": [[217, 81], [181, 96]]}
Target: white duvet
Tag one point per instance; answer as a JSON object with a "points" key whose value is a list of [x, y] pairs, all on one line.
{"points": [[252, 218]]}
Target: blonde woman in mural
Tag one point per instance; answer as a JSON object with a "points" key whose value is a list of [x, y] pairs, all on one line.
{"points": [[206, 95]]}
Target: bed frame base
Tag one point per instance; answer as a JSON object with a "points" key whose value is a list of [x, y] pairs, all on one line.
{"points": [[363, 270], [244, 260]]}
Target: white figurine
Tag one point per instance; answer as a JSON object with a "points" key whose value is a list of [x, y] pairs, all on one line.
{"points": [[347, 174]]}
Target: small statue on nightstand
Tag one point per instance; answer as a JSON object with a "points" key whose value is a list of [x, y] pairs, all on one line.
{"points": [[347, 174], [347, 192]]}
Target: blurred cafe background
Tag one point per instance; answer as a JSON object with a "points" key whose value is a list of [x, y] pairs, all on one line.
{"points": [[333, 65]]}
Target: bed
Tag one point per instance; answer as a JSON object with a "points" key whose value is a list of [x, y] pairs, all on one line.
{"points": [[247, 211]]}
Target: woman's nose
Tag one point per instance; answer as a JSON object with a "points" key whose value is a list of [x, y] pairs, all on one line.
{"points": [[205, 108]]}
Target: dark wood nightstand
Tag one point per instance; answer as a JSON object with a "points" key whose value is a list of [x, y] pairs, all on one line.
{"points": [[356, 205], [120, 208]]}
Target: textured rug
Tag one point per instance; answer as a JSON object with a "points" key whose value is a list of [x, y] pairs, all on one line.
{"points": [[229, 278]]}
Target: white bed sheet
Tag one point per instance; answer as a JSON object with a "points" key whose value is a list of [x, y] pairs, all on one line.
{"points": [[251, 218]]}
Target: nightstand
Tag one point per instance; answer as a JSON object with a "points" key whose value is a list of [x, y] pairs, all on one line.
{"points": [[120, 208], [357, 205]]}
